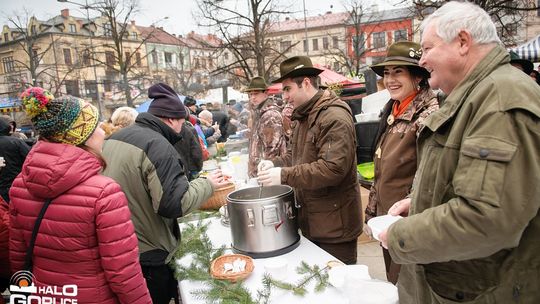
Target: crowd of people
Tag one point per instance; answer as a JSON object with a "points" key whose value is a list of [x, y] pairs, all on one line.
{"points": [[96, 203]]}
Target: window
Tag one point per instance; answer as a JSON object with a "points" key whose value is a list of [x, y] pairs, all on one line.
{"points": [[154, 57], [197, 64], [128, 58], [538, 8], [168, 57], [8, 64], [284, 46], [306, 46], [109, 58], [107, 31], [210, 63], [35, 57], [6, 37], [400, 35], [138, 58], [325, 43], [379, 40], [72, 88], [335, 42], [134, 36], [90, 88], [511, 7], [86, 58], [315, 44], [72, 28], [203, 63], [512, 29], [33, 30], [336, 66], [226, 55], [67, 57], [107, 84]]}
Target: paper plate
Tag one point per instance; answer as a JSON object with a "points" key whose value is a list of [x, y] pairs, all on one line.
{"points": [[380, 223]]}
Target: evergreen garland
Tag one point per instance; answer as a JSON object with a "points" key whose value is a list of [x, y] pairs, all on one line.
{"points": [[196, 243]]}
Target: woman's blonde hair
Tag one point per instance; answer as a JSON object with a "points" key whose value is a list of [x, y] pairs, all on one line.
{"points": [[124, 117]]}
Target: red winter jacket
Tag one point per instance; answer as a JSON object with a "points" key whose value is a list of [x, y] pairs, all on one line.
{"points": [[86, 237]]}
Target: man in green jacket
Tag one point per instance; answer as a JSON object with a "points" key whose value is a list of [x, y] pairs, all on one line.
{"points": [[142, 159], [472, 231], [320, 163]]}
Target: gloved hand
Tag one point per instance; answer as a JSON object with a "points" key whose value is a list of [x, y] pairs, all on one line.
{"points": [[264, 165], [367, 231], [270, 177]]}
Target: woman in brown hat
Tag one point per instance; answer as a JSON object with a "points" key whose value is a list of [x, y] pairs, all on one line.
{"points": [[411, 101]]}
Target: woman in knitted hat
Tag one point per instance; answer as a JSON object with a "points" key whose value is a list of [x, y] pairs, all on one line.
{"points": [[86, 237], [411, 101]]}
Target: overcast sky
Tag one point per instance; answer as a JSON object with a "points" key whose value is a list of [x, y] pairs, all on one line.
{"points": [[179, 12]]}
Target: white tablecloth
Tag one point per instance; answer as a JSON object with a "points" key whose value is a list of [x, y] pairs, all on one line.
{"points": [[306, 251]]}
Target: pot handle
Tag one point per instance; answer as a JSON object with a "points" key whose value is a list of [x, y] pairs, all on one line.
{"points": [[251, 218]]}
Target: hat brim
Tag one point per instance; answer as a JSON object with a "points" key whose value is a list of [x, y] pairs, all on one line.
{"points": [[307, 71], [255, 89], [379, 68], [527, 65]]}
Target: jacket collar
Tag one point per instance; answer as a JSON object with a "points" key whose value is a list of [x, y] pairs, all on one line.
{"points": [[303, 110], [152, 122], [453, 102], [417, 104]]}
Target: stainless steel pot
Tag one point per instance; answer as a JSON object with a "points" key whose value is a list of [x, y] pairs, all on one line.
{"points": [[266, 226]]}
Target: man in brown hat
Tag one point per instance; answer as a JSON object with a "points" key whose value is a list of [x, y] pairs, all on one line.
{"points": [[267, 137], [320, 163]]}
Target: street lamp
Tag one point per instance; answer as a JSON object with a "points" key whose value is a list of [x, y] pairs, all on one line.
{"points": [[86, 6]]}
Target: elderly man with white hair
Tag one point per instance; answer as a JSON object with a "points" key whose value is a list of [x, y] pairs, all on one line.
{"points": [[473, 227]]}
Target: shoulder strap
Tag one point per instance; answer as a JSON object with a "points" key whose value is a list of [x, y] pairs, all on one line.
{"points": [[30, 250]]}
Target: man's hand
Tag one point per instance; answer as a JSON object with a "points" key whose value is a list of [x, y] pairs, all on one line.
{"points": [[264, 165], [270, 177], [217, 179], [400, 207]]}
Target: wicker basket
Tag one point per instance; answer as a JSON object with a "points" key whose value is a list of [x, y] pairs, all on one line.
{"points": [[218, 199], [217, 271]]}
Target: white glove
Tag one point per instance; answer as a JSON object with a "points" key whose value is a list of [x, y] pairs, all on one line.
{"points": [[270, 177], [264, 165]]}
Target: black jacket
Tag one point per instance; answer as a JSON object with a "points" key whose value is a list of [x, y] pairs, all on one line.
{"points": [[189, 149], [14, 151]]}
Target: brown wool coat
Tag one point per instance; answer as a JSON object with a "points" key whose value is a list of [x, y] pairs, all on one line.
{"points": [[320, 165]]}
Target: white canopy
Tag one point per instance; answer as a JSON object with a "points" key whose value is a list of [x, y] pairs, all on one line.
{"points": [[216, 95]]}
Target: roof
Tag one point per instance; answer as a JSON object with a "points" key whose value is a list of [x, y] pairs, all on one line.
{"points": [[337, 19], [328, 19], [158, 35], [194, 40]]}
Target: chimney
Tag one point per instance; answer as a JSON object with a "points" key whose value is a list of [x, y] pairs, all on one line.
{"points": [[287, 18], [64, 13], [132, 22], [328, 12], [160, 28]]}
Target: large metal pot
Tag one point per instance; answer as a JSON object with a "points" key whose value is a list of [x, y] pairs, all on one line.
{"points": [[263, 221]]}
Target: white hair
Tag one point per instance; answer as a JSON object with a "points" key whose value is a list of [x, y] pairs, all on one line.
{"points": [[124, 117], [206, 115], [453, 17]]}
